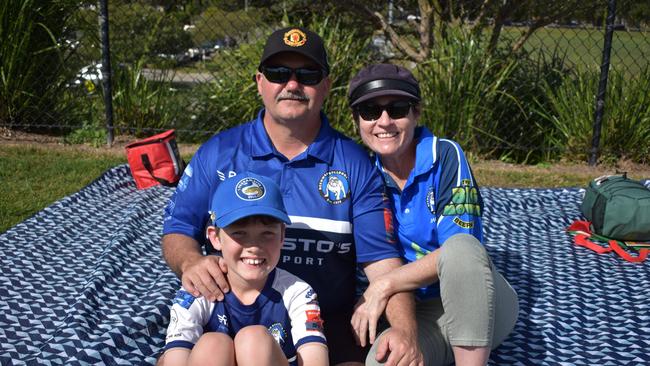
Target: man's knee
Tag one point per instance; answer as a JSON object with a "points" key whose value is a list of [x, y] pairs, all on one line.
{"points": [[371, 358], [462, 249]]}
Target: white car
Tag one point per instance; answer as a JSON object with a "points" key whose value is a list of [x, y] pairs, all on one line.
{"points": [[91, 73], [89, 76]]}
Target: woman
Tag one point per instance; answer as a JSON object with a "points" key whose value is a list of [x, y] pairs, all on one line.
{"points": [[464, 307]]}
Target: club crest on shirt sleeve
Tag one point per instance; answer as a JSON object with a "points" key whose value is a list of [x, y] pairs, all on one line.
{"points": [[184, 299], [334, 186]]}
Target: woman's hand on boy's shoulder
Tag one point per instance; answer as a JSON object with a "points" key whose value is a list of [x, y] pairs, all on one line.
{"points": [[206, 276]]}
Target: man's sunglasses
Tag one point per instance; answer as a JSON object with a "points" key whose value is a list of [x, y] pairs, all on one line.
{"points": [[282, 74], [396, 110]]}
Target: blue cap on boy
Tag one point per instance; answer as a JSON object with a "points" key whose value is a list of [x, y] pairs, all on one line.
{"points": [[244, 195]]}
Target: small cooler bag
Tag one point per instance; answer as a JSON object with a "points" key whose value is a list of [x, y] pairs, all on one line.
{"points": [[618, 214], [155, 160], [618, 208]]}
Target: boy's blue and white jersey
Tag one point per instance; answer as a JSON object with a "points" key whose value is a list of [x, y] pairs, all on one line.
{"points": [[328, 190], [440, 199], [286, 306]]}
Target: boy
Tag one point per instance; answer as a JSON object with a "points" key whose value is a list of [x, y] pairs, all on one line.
{"points": [[270, 317]]}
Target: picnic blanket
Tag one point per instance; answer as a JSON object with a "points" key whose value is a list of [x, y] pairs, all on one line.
{"points": [[83, 281]]}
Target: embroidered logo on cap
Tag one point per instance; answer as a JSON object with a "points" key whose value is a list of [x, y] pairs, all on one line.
{"points": [[295, 38], [250, 189]]}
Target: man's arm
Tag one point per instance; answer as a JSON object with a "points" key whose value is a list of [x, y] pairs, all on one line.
{"points": [[399, 344], [200, 275]]}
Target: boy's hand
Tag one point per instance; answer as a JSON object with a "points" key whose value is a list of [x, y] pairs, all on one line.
{"points": [[206, 277]]}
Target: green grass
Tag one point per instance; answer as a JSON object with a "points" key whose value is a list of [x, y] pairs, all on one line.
{"points": [[583, 48], [31, 178]]}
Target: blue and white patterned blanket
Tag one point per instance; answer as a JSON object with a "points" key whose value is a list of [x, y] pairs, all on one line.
{"points": [[83, 282]]}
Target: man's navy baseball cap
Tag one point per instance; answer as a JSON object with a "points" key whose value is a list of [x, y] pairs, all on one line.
{"points": [[382, 79], [246, 195], [299, 40]]}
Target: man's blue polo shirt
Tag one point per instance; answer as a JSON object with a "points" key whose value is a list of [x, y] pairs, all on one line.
{"points": [[332, 192], [440, 199]]}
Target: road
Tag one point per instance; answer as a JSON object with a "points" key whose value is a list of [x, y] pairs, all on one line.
{"points": [[178, 77]]}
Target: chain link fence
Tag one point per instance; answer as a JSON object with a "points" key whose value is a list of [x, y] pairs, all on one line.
{"points": [[188, 65]]}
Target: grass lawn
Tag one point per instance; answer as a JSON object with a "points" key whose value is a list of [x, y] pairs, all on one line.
{"points": [[584, 47], [33, 175]]}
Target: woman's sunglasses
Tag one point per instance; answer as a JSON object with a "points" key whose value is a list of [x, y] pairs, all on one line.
{"points": [[396, 110], [282, 74]]}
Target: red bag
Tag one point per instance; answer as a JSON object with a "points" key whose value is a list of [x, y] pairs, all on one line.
{"points": [[155, 160]]}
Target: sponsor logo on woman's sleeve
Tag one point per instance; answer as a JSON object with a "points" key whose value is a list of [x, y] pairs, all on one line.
{"points": [[464, 200]]}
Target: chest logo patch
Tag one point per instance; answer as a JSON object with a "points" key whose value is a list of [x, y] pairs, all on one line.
{"points": [[278, 333], [431, 200], [334, 186]]}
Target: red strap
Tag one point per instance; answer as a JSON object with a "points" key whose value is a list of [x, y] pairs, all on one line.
{"points": [[583, 241], [643, 253], [582, 234], [578, 225]]}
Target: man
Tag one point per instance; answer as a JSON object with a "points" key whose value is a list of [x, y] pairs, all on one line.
{"points": [[329, 187]]}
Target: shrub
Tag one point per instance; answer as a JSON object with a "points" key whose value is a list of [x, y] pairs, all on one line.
{"points": [[463, 90], [493, 103], [625, 131], [32, 49], [347, 54]]}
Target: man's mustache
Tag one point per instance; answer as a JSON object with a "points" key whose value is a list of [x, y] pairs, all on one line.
{"points": [[292, 96]]}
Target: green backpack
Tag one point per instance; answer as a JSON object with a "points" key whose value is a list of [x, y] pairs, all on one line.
{"points": [[618, 208]]}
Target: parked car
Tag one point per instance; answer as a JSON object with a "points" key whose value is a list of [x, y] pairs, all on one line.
{"points": [[208, 48], [91, 73], [179, 59], [88, 76]]}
